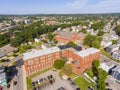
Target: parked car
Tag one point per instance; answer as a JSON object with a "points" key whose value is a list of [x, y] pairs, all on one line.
{"points": [[38, 81], [51, 76], [34, 88], [15, 82], [77, 88], [8, 86], [33, 83], [62, 88], [51, 82]]}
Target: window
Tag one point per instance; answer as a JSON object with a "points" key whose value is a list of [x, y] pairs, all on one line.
{"points": [[30, 62], [42, 58], [36, 60]]}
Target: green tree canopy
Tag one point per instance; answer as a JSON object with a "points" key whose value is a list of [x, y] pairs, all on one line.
{"points": [[58, 64], [67, 69], [92, 41], [83, 31], [117, 30], [98, 25], [72, 44]]}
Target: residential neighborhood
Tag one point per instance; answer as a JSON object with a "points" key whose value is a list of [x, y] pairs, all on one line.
{"points": [[60, 45]]}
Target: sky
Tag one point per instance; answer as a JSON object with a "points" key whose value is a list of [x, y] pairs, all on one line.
{"points": [[59, 6]]}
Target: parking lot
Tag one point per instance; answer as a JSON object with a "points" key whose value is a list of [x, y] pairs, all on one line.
{"points": [[56, 82]]}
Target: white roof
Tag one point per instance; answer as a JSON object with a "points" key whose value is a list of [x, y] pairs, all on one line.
{"points": [[37, 53], [88, 51]]}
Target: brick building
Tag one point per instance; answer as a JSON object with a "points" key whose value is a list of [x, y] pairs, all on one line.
{"points": [[42, 59], [65, 37]]}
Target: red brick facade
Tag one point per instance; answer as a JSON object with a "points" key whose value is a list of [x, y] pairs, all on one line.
{"points": [[82, 63], [34, 65], [78, 63], [73, 38]]}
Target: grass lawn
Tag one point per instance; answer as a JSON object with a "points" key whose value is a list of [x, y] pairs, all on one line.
{"points": [[83, 83], [29, 81]]}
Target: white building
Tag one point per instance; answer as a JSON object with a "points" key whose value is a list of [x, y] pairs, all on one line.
{"points": [[107, 66], [106, 43], [116, 55], [37, 39]]}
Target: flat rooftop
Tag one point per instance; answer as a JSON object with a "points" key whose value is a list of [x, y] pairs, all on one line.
{"points": [[88, 51], [62, 47], [37, 53]]}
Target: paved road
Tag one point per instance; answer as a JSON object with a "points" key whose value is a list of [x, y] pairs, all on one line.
{"points": [[112, 83], [20, 57], [108, 59], [19, 79]]}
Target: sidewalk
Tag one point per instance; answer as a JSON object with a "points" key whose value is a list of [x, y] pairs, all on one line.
{"points": [[87, 76], [24, 79]]}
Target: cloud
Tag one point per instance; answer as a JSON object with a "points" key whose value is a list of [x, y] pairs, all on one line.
{"points": [[94, 6]]}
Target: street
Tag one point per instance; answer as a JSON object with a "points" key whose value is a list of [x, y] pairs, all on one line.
{"points": [[112, 83], [110, 80], [19, 79]]}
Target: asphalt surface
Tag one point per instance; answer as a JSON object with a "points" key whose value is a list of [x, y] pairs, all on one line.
{"points": [[112, 82]]}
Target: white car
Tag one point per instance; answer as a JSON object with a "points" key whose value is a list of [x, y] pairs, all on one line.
{"points": [[38, 81]]}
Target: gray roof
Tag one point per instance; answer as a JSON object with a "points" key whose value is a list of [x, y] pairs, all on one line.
{"points": [[6, 50], [118, 52], [37, 53], [87, 52], [65, 34], [113, 46]]}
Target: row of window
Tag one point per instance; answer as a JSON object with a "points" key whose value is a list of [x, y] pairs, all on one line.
{"points": [[37, 61], [37, 70]]}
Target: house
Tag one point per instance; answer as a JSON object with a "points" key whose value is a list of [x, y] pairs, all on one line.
{"points": [[106, 43], [28, 21], [114, 36], [3, 77], [107, 27], [115, 73], [37, 39], [116, 54], [112, 48], [107, 66], [110, 36], [4, 51], [79, 59]]}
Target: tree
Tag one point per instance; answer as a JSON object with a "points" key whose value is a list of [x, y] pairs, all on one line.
{"points": [[83, 31], [95, 67], [92, 41], [58, 64], [114, 41], [100, 33], [117, 30], [67, 69], [72, 44], [98, 25], [100, 74]]}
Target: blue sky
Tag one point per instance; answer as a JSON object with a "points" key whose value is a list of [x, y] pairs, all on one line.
{"points": [[58, 6]]}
